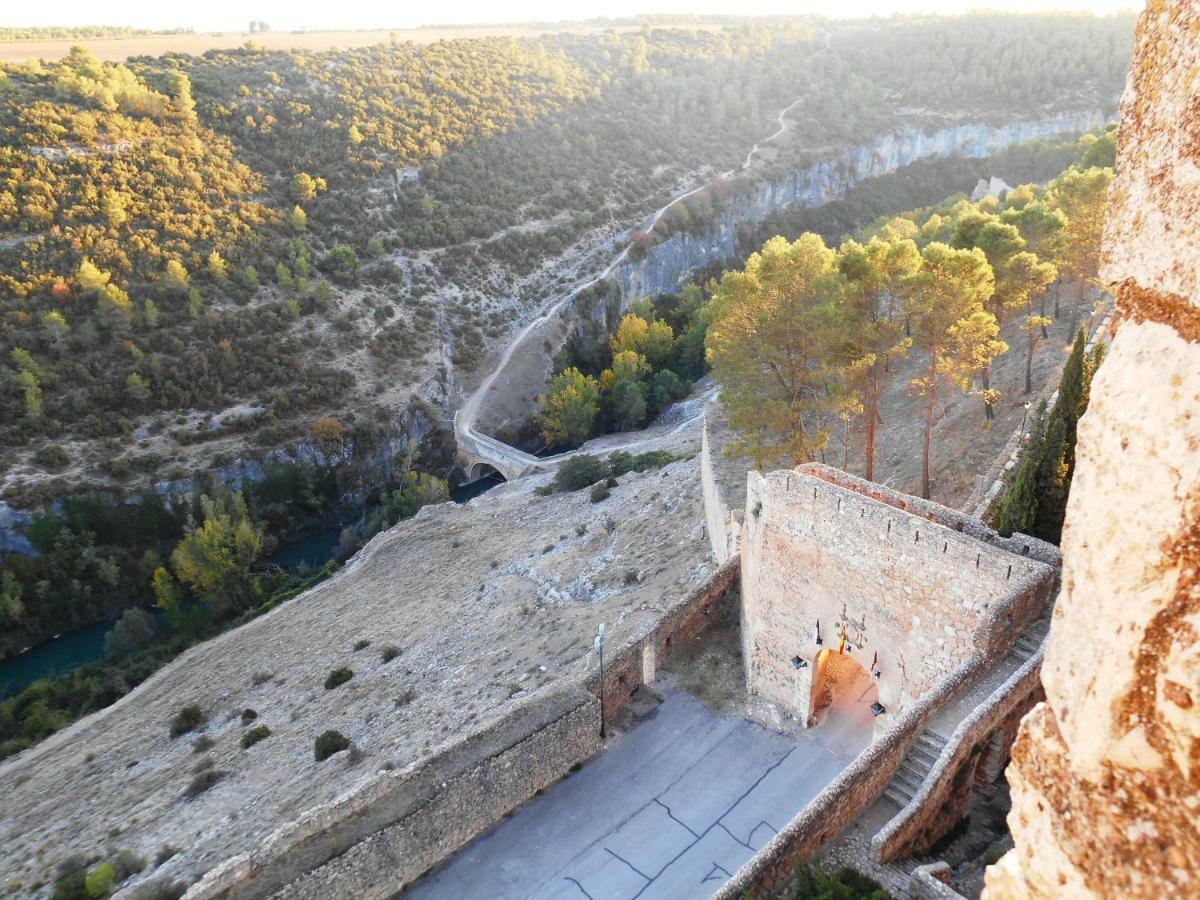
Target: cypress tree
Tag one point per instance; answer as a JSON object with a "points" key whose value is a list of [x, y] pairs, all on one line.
{"points": [[1052, 482], [1016, 507]]}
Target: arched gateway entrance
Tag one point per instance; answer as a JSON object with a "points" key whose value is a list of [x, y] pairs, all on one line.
{"points": [[857, 601]]}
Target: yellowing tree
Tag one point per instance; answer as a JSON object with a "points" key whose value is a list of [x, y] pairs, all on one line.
{"points": [[175, 277], [652, 339], [945, 303], [217, 267], [567, 412], [777, 344]]}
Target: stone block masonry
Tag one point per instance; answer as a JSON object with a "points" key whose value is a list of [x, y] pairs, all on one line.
{"points": [[372, 841], [904, 584]]}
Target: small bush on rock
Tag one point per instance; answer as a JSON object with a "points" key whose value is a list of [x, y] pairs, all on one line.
{"points": [[249, 715], [203, 782], [600, 492], [390, 652], [337, 677], [187, 719], [329, 743], [100, 881], [254, 735]]}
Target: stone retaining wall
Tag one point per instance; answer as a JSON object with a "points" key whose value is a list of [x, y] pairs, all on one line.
{"points": [[943, 796], [929, 882], [636, 663], [387, 832], [373, 840]]}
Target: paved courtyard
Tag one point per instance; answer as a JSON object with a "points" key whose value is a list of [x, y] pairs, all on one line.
{"points": [[670, 810]]}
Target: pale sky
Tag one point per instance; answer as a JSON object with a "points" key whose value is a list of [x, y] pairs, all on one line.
{"points": [[231, 15]]}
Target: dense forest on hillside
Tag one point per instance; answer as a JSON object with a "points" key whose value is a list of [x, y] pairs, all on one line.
{"points": [[298, 234]]}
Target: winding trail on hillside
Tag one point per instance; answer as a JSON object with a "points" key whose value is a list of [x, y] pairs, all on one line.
{"points": [[466, 418]]}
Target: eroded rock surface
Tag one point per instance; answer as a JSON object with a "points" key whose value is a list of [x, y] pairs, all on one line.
{"points": [[1106, 773]]}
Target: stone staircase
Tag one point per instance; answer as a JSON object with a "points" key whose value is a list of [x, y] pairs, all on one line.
{"points": [[1029, 640], [914, 767], [929, 743]]}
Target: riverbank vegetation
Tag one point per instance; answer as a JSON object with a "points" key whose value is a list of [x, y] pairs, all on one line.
{"points": [[207, 572]]}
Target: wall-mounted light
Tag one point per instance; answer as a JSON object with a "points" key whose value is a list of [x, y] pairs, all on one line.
{"points": [[819, 641], [877, 709], [799, 662]]}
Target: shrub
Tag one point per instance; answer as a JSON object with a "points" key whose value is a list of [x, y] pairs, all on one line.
{"points": [[202, 743], [164, 854], [329, 743], [127, 864], [361, 644], [579, 472], [52, 456], [202, 782], [620, 462], [99, 882], [261, 678], [389, 653], [254, 735], [187, 719], [248, 715], [158, 890], [70, 880], [600, 492], [337, 677]]}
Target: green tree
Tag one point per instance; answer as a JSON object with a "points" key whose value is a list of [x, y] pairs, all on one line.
{"points": [[12, 610], [877, 273], [625, 387], [1082, 196], [1016, 507], [134, 630], [342, 264], [216, 557], [417, 489], [777, 344], [950, 327], [567, 412]]}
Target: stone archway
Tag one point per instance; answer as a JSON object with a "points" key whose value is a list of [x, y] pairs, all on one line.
{"points": [[843, 692]]}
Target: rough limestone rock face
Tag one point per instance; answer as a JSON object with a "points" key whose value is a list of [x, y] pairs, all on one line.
{"points": [[1106, 773]]}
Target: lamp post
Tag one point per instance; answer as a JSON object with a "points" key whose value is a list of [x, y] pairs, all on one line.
{"points": [[1024, 416], [600, 652]]}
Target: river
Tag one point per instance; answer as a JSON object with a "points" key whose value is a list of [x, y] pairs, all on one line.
{"points": [[78, 648]]}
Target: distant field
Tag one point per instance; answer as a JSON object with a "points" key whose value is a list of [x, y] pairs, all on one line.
{"points": [[116, 49]]}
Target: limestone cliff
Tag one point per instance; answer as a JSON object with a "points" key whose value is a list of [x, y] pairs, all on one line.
{"points": [[1106, 773]]}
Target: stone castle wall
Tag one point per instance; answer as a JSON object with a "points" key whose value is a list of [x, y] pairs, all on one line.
{"points": [[967, 759], [917, 595], [384, 834], [1106, 773]]}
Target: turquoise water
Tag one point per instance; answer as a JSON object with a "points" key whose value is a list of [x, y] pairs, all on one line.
{"points": [[313, 551], [55, 656], [78, 648]]}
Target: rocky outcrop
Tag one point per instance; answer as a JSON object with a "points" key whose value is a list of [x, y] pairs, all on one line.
{"points": [[668, 264], [1106, 773]]}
